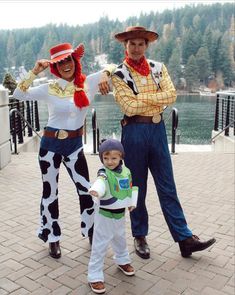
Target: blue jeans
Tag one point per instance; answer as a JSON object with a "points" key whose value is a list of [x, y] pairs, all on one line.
{"points": [[146, 147], [63, 147]]}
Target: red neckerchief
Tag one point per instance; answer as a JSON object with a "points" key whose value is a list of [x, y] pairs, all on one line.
{"points": [[141, 66]]}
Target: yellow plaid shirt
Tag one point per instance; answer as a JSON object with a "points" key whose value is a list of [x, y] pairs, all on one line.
{"points": [[150, 100]]}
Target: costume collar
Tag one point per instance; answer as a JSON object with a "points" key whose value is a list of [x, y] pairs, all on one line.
{"points": [[118, 169], [141, 66], [64, 83], [61, 88]]}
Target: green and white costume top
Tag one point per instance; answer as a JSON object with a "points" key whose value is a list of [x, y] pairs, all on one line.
{"points": [[115, 190]]}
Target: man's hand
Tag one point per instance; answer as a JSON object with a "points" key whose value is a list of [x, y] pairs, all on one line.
{"points": [[104, 83], [40, 66]]}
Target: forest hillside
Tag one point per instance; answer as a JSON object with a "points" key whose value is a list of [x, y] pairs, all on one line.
{"points": [[196, 43]]}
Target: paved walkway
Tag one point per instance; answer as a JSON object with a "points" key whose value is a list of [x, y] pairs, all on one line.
{"points": [[205, 183]]}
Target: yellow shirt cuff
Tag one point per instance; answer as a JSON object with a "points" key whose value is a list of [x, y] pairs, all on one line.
{"points": [[27, 81]]}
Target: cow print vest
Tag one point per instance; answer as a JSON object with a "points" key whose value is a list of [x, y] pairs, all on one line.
{"points": [[155, 70]]}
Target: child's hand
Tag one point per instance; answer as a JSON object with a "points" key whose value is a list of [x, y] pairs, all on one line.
{"points": [[131, 208], [94, 194]]}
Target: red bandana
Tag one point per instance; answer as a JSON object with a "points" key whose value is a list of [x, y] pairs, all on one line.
{"points": [[141, 66]]}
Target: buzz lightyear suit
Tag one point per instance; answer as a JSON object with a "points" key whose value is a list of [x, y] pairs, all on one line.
{"points": [[115, 192]]}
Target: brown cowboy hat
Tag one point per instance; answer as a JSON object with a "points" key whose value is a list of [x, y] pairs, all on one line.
{"points": [[136, 33]]}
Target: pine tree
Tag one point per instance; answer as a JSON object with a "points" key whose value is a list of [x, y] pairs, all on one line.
{"points": [[174, 66], [203, 63], [191, 73], [10, 83]]}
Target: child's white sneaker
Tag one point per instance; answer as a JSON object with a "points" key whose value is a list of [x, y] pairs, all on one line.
{"points": [[127, 269], [97, 287]]}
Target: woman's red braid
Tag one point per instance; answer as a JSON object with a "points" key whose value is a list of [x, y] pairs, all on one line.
{"points": [[80, 97]]}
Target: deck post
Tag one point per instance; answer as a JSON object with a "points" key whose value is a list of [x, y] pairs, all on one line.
{"points": [[5, 144]]}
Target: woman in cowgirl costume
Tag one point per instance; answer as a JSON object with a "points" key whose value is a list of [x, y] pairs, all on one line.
{"points": [[67, 99]]}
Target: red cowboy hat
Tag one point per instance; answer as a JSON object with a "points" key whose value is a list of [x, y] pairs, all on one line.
{"points": [[63, 50], [136, 33]]}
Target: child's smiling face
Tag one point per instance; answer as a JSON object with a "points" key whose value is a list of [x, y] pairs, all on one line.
{"points": [[111, 159]]}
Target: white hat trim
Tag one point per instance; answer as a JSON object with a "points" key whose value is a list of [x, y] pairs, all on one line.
{"points": [[61, 52]]}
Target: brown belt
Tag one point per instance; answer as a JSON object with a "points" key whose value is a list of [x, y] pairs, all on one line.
{"points": [[141, 119], [63, 134]]}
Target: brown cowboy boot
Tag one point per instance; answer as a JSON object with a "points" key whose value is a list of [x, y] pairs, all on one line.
{"points": [[193, 244], [141, 247]]}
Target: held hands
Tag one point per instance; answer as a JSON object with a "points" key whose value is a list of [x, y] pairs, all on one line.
{"points": [[40, 66], [131, 208], [94, 194], [104, 83]]}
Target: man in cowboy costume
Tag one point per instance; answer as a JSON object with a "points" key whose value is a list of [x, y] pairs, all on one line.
{"points": [[143, 88]]}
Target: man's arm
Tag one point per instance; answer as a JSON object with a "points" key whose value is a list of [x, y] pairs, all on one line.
{"points": [[127, 100], [132, 104]]}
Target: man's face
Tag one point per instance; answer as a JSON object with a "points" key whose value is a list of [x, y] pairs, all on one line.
{"points": [[136, 48]]}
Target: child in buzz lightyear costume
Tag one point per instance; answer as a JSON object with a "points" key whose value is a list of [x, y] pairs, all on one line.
{"points": [[113, 192]]}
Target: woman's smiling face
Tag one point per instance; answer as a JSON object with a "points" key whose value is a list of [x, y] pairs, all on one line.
{"points": [[66, 68]]}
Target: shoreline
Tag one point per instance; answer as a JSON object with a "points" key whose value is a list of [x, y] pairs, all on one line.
{"points": [[179, 148], [180, 92]]}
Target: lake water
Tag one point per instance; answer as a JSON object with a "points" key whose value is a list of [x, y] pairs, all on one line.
{"points": [[196, 118]]}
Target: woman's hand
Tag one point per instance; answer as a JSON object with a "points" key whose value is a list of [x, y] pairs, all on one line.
{"points": [[104, 83], [40, 66]]}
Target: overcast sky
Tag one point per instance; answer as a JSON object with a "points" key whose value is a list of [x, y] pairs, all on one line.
{"points": [[28, 14]]}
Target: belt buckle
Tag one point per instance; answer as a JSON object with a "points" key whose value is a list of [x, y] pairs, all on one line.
{"points": [[61, 134], [156, 118]]}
